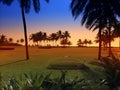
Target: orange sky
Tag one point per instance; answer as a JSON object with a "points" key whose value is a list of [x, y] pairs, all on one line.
{"points": [[75, 32]]}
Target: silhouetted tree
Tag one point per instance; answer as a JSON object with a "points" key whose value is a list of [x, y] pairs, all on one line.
{"points": [[90, 42], [116, 32], [64, 38], [3, 39], [10, 40], [17, 41], [69, 43], [44, 37], [21, 40], [85, 42], [80, 43], [25, 8], [66, 35], [53, 37], [96, 14], [105, 38], [65, 42], [39, 37], [35, 38], [59, 35]]}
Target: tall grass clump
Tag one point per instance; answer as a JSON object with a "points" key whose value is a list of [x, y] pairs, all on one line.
{"points": [[29, 81]]}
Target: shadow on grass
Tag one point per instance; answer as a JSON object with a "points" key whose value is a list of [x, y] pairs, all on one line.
{"points": [[68, 66], [86, 71], [13, 62]]}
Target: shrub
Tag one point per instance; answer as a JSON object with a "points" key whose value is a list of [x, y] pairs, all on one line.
{"points": [[111, 72]]}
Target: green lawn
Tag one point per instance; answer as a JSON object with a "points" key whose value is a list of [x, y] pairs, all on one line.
{"points": [[13, 62]]}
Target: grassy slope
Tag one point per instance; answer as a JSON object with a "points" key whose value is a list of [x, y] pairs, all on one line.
{"points": [[41, 58]]}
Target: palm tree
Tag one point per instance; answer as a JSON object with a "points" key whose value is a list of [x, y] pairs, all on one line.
{"points": [[21, 40], [59, 35], [36, 37], [3, 39], [25, 8], [105, 38], [64, 42], [96, 14], [85, 42], [91, 15], [66, 35], [39, 36], [53, 37], [44, 37], [79, 43], [116, 32], [89, 42], [69, 43]]}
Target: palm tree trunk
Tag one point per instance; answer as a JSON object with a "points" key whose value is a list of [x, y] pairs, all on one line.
{"points": [[100, 43], [25, 32], [119, 42], [109, 41]]}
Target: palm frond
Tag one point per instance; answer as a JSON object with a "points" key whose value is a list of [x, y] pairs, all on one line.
{"points": [[47, 1], [36, 4], [77, 7], [6, 2]]}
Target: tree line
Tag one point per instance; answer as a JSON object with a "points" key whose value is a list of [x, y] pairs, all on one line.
{"points": [[9, 41], [99, 15], [54, 39], [84, 43]]}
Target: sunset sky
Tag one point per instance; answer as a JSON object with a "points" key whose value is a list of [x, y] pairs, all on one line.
{"points": [[52, 17]]}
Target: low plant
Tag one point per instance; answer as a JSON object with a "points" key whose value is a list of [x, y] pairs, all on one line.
{"points": [[62, 83], [111, 71]]}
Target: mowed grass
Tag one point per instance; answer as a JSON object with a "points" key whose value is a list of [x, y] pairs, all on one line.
{"points": [[12, 62]]}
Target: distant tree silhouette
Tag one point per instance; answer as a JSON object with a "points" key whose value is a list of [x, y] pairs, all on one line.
{"points": [[17, 41], [21, 40], [48, 39], [69, 43], [53, 38], [105, 38], [64, 38], [85, 42], [116, 32], [89, 42], [35, 37], [97, 14], [3, 39], [65, 42], [10, 40], [44, 37], [59, 35], [66, 35], [25, 8], [39, 37], [80, 43]]}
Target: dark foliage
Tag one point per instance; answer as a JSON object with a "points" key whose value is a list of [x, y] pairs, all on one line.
{"points": [[111, 67]]}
